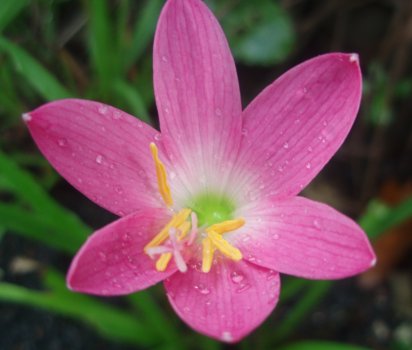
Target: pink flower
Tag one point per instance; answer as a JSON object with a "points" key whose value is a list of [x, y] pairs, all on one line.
{"points": [[210, 205]]}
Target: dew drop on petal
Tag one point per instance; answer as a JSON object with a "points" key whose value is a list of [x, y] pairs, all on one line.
{"points": [[308, 165], [202, 289], [62, 142], [316, 224], [310, 149], [102, 109], [276, 236], [286, 145], [103, 256], [158, 137], [119, 189], [164, 58], [236, 277], [117, 115], [99, 159], [227, 336], [244, 132]]}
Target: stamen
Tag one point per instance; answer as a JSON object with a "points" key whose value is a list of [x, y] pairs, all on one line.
{"points": [[193, 232], [163, 261], [164, 188], [157, 250], [176, 221], [224, 246], [227, 226], [180, 262], [208, 251]]}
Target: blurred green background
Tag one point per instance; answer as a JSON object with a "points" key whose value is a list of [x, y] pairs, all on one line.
{"points": [[101, 50]]}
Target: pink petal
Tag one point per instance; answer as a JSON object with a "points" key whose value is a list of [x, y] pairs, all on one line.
{"points": [[304, 238], [227, 303], [295, 125], [112, 261], [197, 92], [100, 150]]}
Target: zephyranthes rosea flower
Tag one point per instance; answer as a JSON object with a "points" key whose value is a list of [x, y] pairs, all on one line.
{"points": [[210, 205]]}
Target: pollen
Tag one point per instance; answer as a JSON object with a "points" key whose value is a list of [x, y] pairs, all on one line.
{"points": [[164, 188], [182, 231]]}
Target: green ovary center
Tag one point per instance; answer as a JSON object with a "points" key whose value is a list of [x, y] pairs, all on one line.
{"points": [[212, 209]]}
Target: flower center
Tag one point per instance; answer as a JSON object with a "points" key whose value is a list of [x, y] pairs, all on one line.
{"points": [[207, 220]]}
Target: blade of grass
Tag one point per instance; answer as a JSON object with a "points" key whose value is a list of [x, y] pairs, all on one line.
{"points": [[103, 48], [155, 317], [379, 217], [132, 97], [9, 10], [25, 187], [36, 75], [40, 227], [110, 322], [143, 31], [312, 296]]}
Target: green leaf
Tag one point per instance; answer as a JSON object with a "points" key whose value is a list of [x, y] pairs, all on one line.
{"points": [[258, 34], [9, 10], [320, 345], [45, 214], [143, 31], [110, 322], [41, 227], [134, 100], [41, 80], [316, 291], [380, 217], [104, 51]]}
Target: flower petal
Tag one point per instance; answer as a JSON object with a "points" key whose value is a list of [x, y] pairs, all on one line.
{"points": [[226, 303], [112, 261], [304, 238], [100, 150], [295, 125], [197, 92]]}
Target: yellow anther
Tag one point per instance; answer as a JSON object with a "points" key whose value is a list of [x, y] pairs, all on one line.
{"points": [[207, 254], [224, 246], [183, 230], [176, 221], [163, 261], [227, 226], [164, 188]]}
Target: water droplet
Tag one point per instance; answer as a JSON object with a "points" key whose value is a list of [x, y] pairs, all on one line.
{"points": [[317, 224], [308, 165], [166, 110], [102, 109], [310, 149], [102, 256], [62, 142], [246, 238], [79, 180], [325, 123], [218, 112], [276, 236], [286, 145], [243, 287], [158, 137], [227, 336], [119, 189], [236, 277], [139, 124], [244, 132], [117, 115], [186, 309], [202, 289], [26, 117], [271, 275], [164, 58], [99, 159]]}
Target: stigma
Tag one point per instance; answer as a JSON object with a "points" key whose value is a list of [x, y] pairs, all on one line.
{"points": [[178, 239]]}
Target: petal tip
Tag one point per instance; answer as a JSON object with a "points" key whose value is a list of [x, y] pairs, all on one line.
{"points": [[354, 58], [26, 117]]}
